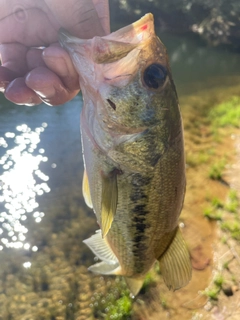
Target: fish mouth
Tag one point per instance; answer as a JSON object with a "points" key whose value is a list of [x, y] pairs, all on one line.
{"points": [[123, 43], [126, 37], [119, 44], [136, 32]]}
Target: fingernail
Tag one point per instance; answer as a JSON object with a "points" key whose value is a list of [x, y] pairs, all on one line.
{"points": [[45, 93]]}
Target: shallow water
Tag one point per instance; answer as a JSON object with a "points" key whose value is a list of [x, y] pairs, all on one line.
{"points": [[43, 218]]}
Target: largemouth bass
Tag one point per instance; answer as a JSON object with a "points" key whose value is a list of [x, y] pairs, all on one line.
{"points": [[133, 151]]}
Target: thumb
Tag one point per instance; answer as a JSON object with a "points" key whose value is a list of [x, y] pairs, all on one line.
{"points": [[79, 17]]}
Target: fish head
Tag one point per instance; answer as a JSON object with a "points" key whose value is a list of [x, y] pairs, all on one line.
{"points": [[126, 75]]}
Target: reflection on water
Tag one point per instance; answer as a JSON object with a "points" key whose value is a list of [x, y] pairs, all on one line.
{"points": [[21, 182]]}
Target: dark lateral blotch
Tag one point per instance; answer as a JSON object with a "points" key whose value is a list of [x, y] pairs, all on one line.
{"points": [[140, 209], [137, 196]]}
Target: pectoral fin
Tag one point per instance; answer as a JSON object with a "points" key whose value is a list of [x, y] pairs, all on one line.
{"points": [[109, 201], [86, 190], [175, 264]]}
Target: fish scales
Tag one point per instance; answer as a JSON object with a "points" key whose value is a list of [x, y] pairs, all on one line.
{"points": [[150, 208], [133, 152]]}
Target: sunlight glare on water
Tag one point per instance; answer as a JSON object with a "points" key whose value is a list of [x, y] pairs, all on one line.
{"points": [[21, 181]]}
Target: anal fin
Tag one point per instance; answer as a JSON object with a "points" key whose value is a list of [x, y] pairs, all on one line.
{"points": [[109, 201], [175, 264], [86, 190]]}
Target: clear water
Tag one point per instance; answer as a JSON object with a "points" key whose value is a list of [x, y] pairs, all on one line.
{"points": [[35, 144]]}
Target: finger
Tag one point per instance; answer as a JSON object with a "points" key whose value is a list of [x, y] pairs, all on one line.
{"points": [[16, 61], [19, 93], [13, 57], [27, 24], [6, 76], [80, 18], [102, 8], [34, 58], [58, 60], [48, 86]]}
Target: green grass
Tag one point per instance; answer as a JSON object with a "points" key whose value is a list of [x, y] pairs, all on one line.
{"points": [[195, 159], [217, 203], [226, 113], [232, 202], [212, 293], [212, 214], [218, 281], [216, 170], [116, 304], [233, 195], [121, 309], [217, 210], [233, 227], [231, 207], [148, 281]]}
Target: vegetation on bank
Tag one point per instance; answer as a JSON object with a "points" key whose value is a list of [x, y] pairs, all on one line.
{"points": [[225, 211], [226, 114]]}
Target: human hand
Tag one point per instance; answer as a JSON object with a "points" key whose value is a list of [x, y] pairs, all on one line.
{"points": [[30, 73]]}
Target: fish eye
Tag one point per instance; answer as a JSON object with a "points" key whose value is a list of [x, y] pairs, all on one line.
{"points": [[154, 76]]}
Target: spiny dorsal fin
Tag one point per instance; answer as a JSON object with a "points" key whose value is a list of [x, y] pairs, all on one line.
{"points": [[86, 190], [109, 201], [175, 264]]}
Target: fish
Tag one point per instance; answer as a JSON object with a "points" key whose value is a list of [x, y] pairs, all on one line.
{"points": [[133, 152]]}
